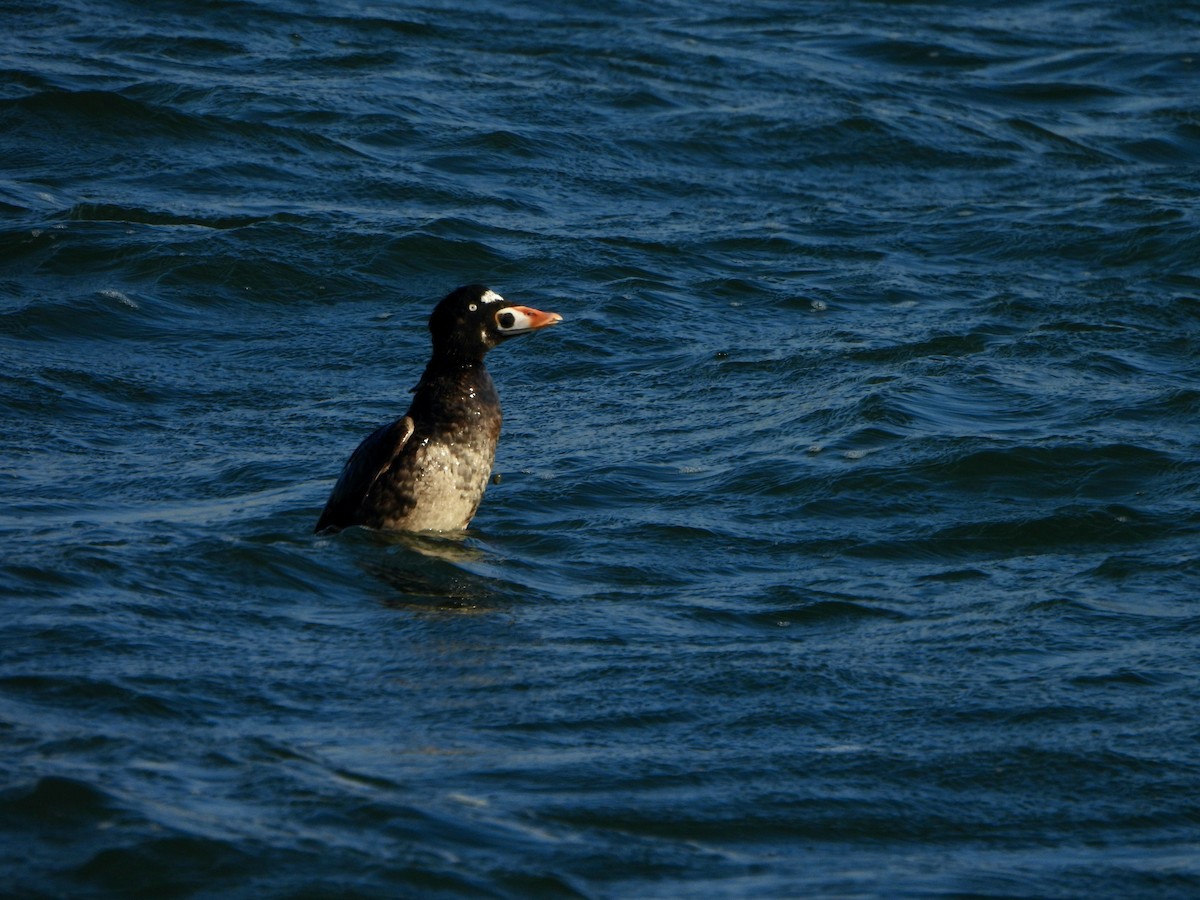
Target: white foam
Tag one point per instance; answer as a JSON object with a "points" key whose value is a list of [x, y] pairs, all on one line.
{"points": [[110, 294]]}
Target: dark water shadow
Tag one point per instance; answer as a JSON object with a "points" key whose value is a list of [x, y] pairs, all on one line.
{"points": [[425, 573]]}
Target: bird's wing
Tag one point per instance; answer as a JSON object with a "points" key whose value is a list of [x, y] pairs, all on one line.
{"points": [[362, 470]]}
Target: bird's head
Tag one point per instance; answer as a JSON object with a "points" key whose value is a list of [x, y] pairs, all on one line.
{"points": [[471, 320]]}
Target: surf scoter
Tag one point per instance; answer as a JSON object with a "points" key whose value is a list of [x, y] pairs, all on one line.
{"points": [[427, 471]]}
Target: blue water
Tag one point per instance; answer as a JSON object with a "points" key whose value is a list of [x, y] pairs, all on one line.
{"points": [[846, 543]]}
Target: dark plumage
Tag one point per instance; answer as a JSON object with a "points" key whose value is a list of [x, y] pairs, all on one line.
{"points": [[428, 470]]}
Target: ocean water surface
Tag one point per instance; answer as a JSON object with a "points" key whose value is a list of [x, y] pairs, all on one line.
{"points": [[846, 539]]}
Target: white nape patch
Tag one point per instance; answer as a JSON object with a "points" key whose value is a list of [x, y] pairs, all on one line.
{"points": [[491, 297]]}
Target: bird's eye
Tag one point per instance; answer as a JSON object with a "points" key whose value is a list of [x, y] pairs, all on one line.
{"points": [[506, 320], [473, 307]]}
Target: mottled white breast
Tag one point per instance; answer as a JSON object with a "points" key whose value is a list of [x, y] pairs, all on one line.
{"points": [[449, 483]]}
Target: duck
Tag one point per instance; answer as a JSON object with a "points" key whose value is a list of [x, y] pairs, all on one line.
{"points": [[427, 471]]}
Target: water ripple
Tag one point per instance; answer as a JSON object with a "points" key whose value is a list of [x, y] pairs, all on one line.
{"points": [[850, 510]]}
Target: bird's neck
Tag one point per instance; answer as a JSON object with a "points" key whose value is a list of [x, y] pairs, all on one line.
{"points": [[452, 387]]}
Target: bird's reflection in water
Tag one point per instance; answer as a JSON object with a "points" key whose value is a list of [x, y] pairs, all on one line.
{"points": [[430, 573]]}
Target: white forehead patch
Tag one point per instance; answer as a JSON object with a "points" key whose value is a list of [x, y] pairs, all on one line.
{"points": [[491, 297]]}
